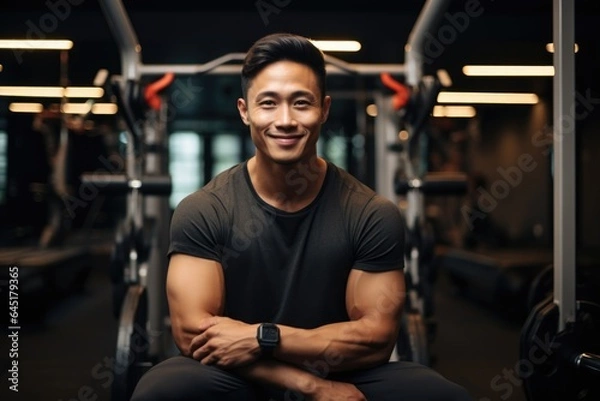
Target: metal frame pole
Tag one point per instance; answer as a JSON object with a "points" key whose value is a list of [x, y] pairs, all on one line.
{"points": [[564, 161], [413, 50], [124, 34]]}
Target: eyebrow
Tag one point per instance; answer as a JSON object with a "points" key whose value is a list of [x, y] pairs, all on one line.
{"points": [[294, 94]]}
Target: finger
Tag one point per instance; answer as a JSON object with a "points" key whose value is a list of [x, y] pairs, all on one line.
{"points": [[208, 357], [198, 341], [201, 353]]}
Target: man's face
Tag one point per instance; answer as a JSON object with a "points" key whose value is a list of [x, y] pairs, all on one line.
{"points": [[284, 112]]}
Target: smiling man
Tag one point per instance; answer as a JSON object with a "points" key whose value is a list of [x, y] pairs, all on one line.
{"points": [[285, 278]]}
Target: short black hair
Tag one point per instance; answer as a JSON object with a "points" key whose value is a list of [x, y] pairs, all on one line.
{"points": [[283, 46]]}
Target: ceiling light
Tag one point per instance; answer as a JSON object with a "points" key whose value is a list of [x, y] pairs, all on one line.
{"points": [[68, 108], [508, 70], [36, 44], [76, 108], [52, 91], [550, 47], [337, 45], [100, 77], [104, 108], [454, 111], [487, 97], [26, 107], [84, 92], [444, 78]]}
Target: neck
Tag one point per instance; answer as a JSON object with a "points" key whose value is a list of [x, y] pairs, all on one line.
{"points": [[289, 187]]}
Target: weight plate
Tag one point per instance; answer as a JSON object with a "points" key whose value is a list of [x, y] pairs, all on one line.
{"points": [[131, 359], [547, 357]]}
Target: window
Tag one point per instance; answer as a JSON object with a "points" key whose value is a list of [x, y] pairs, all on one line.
{"points": [[226, 152], [185, 164], [333, 146]]}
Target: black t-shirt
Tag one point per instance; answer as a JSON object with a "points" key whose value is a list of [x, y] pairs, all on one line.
{"points": [[289, 268]]}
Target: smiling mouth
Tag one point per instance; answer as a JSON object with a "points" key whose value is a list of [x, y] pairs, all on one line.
{"points": [[286, 140]]}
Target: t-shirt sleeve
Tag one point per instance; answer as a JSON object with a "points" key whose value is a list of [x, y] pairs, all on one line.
{"points": [[380, 237], [196, 227]]}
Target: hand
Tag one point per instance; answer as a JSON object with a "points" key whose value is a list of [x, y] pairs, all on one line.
{"points": [[328, 390], [225, 343]]}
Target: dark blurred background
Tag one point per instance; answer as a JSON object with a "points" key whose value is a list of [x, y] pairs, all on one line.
{"points": [[485, 269]]}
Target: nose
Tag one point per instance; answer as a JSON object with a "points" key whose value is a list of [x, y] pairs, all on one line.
{"points": [[285, 118]]}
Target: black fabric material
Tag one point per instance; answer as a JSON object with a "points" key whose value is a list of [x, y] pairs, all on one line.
{"points": [[289, 268], [181, 378]]}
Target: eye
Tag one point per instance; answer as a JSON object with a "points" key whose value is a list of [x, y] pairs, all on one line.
{"points": [[267, 103], [302, 103]]}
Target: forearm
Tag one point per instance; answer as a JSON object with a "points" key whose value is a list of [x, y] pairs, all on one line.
{"points": [[185, 331], [281, 375], [339, 346]]}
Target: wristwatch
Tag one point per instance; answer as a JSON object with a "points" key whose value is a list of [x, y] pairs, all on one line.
{"points": [[268, 338]]}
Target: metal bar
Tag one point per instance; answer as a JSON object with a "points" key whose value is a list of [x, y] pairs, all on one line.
{"points": [[564, 161], [132, 66], [386, 162], [589, 362], [413, 51], [235, 69], [125, 36]]}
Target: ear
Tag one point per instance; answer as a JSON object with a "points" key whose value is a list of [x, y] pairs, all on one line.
{"points": [[325, 111], [243, 110]]}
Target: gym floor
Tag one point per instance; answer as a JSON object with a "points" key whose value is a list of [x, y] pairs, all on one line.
{"points": [[65, 356]]}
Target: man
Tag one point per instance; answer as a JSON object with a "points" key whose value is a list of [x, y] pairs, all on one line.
{"points": [[285, 277]]}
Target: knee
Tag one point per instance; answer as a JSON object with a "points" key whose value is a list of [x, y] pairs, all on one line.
{"points": [[181, 378], [164, 381]]}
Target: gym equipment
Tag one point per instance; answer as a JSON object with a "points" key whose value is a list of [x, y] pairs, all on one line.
{"points": [[409, 108], [57, 265], [135, 182], [137, 261], [499, 278], [132, 261], [560, 341], [45, 275]]}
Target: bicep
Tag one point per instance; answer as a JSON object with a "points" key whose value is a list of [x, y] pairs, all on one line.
{"points": [[195, 290], [376, 297]]}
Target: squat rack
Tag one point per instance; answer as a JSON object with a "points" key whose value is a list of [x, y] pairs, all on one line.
{"points": [[133, 68]]}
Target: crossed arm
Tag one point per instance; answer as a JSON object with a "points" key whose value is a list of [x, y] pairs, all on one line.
{"points": [[196, 293]]}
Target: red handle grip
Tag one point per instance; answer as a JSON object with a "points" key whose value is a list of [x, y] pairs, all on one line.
{"points": [[151, 92], [402, 92]]}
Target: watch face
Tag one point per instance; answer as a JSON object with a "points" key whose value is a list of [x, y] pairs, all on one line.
{"points": [[269, 333]]}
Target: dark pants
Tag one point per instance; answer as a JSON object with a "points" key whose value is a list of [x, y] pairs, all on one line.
{"points": [[181, 378]]}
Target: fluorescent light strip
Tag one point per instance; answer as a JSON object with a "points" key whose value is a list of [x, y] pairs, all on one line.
{"points": [[454, 111], [36, 44], [508, 70], [337, 45], [100, 77], [487, 97], [52, 91], [84, 92], [76, 108], [104, 108], [69, 108], [550, 47], [26, 107]]}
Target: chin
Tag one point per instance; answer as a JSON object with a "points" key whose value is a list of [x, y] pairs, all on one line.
{"points": [[285, 158], [286, 161]]}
